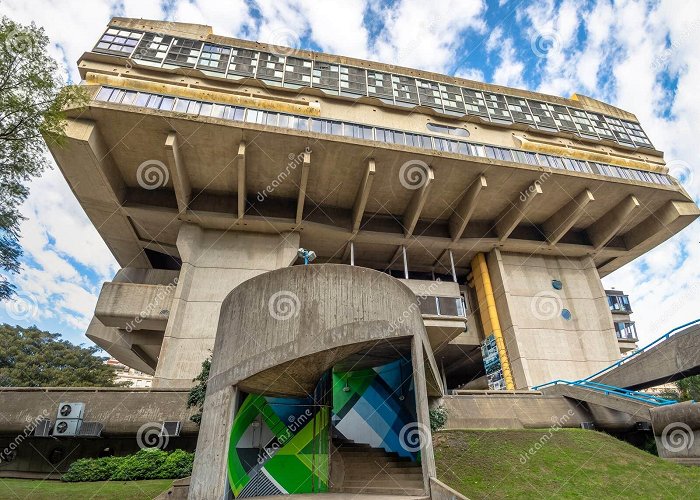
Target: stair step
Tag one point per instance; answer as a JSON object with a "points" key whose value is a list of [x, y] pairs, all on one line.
{"points": [[366, 466], [405, 473], [383, 483], [370, 490]]}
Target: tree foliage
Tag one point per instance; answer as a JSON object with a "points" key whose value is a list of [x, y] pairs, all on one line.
{"points": [[32, 102], [196, 397], [34, 358]]}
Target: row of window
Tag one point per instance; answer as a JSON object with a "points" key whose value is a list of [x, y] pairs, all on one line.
{"points": [[359, 131], [626, 330], [442, 306], [236, 63]]}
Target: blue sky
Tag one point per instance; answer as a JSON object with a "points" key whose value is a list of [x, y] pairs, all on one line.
{"points": [[641, 56]]}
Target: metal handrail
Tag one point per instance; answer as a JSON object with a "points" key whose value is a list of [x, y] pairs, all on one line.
{"points": [[635, 353], [611, 390]]}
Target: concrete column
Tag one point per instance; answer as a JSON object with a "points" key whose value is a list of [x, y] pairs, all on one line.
{"points": [[422, 411], [210, 470], [213, 264]]}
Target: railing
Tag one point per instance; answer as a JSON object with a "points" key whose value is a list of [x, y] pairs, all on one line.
{"points": [[639, 351], [610, 390]]}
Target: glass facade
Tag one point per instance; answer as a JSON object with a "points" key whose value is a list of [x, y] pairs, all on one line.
{"points": [[619, 303], [366, 132], [233, 62], [626, 330]]}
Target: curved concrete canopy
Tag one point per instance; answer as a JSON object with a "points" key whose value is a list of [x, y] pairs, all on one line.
{"points": [[280, 331]]}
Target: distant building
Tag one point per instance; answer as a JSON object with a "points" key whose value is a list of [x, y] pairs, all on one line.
{"points": [[126, 374]]}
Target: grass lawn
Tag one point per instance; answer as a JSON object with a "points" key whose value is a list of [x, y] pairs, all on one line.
{"points": [[101, 490], [570, 463]]}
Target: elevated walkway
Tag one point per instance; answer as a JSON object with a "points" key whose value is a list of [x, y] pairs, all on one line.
{"points": [[636, 404], [673, 356]]}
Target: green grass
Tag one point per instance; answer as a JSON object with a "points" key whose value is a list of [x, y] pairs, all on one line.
{"points": [[101, 490], [570, 463]]}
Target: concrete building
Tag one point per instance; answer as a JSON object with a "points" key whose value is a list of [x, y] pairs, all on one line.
{"points": [[124, 374], [460, 231]]}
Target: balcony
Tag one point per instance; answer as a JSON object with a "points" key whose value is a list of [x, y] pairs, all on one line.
{"points": [[134, 306], [619, 304], [626, 331]]}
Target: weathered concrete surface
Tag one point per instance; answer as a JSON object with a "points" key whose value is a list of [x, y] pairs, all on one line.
{"points": [[677, 432], [122, 410], [280, 331], [541, 344], [672, 359], [638, 410], [440, 491]]}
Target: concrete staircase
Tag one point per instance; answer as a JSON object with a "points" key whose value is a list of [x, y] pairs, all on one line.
{"points": [[374, 471]]}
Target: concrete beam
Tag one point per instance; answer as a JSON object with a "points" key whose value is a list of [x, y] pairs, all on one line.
{"points": [[563, 220], [240, 170], [302, 186], [509, 219], [362, 195], [605, 228], [661, 224], [460, 218], [181, 181], [415, 206]]}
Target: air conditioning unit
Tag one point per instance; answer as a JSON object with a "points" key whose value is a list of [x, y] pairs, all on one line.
{"points": [[170, 429], [588, 426], [43, 428], [69, 427], [70, 410], [91, 429]]}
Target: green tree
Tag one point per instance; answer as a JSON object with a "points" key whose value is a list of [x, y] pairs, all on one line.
{"points": [[32, 102], [689, 388], [34, 358], [196, 397]]}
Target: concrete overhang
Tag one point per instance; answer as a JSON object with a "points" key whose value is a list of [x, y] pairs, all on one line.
{"points": [[107, 143]]}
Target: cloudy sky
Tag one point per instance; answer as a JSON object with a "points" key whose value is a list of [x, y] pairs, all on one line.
{"points": [[641, 56]]}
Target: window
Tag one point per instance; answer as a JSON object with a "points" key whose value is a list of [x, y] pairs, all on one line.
{"points": [[353, 80], [184, 52], [152, 48], [429, 93], [379, 84], [297, 71], [497, 107], [270, 67], [214, 58], [619, 303], [626, 330], [452, 98], [118, 41], [474, 102], [444, 129], [325, 76], [243, 62], [519, 110]]}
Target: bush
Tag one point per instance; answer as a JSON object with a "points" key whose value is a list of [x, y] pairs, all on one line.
{"points": [[145, 464], [438, 418]]}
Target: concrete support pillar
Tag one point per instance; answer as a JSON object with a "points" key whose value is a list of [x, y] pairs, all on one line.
{"points": [[210, 470], [213, 264], [422, 411]]}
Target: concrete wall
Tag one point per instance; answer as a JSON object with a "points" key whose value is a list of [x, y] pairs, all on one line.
{"points": [[213, 264], [542, 345], [677, 432]]}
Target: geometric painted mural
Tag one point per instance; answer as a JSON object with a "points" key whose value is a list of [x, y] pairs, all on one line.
{"points": [[373, 405], [279, 446]]}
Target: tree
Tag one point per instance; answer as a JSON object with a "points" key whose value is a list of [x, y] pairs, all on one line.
{"points": [[689, 388], [34, 358], [199, 391], [32, 102]]}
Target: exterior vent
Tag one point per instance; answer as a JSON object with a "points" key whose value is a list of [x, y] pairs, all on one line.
{"points": [[43, 428], [590, 426], [170, 429], [70, 410], [91, 429], [67, 427], [643, 426]]}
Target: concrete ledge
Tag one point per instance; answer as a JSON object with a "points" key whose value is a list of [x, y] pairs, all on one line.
{"points": [[440, 491]]}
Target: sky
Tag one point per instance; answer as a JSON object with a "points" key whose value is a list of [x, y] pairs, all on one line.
{"points": [[640, 56]]}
